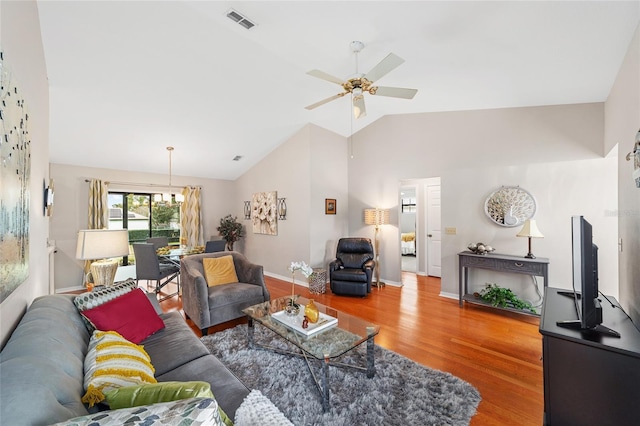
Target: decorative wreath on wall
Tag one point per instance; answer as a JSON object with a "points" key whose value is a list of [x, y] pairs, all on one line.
{"points": [[510, 206]]}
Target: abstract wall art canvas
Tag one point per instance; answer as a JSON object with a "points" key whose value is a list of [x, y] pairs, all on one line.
{"points": [[264, 214], [15, 172]]}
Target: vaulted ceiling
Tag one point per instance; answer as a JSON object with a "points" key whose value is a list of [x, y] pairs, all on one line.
{"points": [[129, 78]]}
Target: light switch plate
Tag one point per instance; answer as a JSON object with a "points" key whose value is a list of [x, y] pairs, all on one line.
{"points": [[450, 231]]}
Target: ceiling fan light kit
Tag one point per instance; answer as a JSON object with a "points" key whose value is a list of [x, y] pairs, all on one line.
{"points": [[361, 83]]}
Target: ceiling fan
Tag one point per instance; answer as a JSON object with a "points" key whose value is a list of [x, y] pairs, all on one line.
{"points": [[360, 83]]}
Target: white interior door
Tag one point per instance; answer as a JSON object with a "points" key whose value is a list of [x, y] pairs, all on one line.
{"points": [[434, 232]]}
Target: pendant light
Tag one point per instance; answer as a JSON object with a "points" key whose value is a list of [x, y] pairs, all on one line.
{"points": [[166, 197]]}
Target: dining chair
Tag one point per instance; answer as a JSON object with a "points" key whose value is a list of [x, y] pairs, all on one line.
{"points": [[214, 246], [148, 267], [158, 242]]}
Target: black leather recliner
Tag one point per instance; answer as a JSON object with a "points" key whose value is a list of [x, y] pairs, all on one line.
{"points": [[352, 270]]}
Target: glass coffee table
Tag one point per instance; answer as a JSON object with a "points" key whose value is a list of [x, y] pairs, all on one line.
{"points": [[325, 345]]}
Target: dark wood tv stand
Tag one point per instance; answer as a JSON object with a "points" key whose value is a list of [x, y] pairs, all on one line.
{"points": [[589, 379]]}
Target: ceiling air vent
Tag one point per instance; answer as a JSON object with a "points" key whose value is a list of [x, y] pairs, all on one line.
{"points": [[237, 158], [240, 19]]}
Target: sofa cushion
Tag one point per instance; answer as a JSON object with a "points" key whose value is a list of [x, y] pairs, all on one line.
{"points": [[174, 345], [356, 275], [43, 361], [134, 396], [131, 315], [219, 270], [193, 411], [92, 299], [228, 294], [112, 362], [226, 388]]}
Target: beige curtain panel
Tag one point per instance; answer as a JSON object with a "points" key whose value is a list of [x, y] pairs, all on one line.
{"points": [[190, 218], [98, 210], [98, 205]]}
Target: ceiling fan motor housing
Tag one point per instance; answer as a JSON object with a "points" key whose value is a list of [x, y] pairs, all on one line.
{"points": [[359, 83], [356, 46]]}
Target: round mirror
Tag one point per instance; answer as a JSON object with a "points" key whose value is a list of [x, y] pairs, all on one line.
{"points": [[510, 206]]}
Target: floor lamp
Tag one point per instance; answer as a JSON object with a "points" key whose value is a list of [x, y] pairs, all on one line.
{"points": [[376, 217]]}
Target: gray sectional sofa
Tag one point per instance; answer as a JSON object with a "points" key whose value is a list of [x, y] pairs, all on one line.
{"points": [[41, 366]]}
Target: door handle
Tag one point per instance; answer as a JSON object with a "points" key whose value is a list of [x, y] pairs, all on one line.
{"points": [[429, 235]]}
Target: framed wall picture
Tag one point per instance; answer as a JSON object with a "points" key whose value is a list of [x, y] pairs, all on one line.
{"points": [[329, 206]]}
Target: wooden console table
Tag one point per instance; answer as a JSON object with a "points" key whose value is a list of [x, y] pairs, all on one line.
{"points": [[499, 263]]}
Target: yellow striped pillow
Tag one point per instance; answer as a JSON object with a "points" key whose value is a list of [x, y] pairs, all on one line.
{"points": [[114, 362]]}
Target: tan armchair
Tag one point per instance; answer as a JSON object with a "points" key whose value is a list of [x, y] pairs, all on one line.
{"points": [[208, 306]]}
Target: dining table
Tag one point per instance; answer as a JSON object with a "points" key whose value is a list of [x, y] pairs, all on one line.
{"points": [[173, 254]]}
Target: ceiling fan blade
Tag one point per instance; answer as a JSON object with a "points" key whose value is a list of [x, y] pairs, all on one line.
{"points": [[323, 75], [359, 109], [395, 92], [324, 101], [386, 65]]}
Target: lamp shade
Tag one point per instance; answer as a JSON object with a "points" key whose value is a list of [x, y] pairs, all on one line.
{"points": [[102, 243], [530, 229], [376, 216]]}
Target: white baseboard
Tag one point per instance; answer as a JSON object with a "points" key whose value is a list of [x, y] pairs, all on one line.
{"points": [[288, 279], [69, 289], [449, 295]]}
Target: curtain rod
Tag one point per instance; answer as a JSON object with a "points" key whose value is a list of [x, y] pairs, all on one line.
{"points": [[148, 185]]}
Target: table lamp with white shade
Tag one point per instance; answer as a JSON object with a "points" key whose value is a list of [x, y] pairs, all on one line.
{"points": [[102, 245], [530, 230], [376, 217]]}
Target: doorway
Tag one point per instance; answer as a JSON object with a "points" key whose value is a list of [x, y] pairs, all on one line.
{"points": [[407, 225], [419, 223], [434, 232]]}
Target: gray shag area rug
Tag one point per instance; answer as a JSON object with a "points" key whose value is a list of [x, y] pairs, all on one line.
{"points": [[402, 392]]}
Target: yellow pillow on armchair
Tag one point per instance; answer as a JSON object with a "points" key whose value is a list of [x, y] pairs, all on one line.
{"points": [[219, 270]]}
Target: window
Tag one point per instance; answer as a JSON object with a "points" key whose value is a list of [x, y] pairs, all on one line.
{"points": [[144, 217], [408, 205]]}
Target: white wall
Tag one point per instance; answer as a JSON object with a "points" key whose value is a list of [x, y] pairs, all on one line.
{"points": [[561, 190], [551, 151], [71, 208], [622, 121], [329, 165], [306, 169], [22, 45]]}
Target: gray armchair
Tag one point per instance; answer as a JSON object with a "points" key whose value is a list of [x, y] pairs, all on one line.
{"points": [[209, 306]]}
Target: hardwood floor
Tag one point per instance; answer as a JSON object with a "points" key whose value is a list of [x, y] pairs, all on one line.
{"points": [[499, 353]]}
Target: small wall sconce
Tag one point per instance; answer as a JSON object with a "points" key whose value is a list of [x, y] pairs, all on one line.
{"points": [[48, 199], [247, 210], [282, 209]]}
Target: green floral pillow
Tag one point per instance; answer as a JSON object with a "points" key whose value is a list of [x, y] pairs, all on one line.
{"points": [[186, 412]]}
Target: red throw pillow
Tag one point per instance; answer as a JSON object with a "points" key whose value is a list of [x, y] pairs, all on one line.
{"points": [[131, 315]]}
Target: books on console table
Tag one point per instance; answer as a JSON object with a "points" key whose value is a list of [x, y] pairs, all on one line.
{"points": [[324, 322]]}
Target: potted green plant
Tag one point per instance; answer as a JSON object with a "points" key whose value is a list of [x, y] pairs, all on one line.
{"points": [[504, 298], [231, 230]]}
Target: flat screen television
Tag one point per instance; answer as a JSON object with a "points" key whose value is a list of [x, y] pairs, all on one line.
{"points": [[584, 262]]}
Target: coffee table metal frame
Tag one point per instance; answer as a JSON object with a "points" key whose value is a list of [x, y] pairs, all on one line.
{"points": [[310, 346]]}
